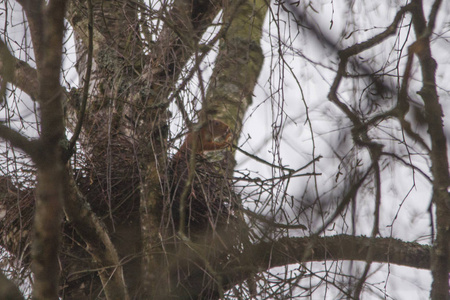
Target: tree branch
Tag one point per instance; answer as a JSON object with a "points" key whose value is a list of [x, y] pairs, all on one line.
{"points": [[96, 237], [87, 79], [49, 194], [439, 159], [17, 140], [183, 28], [286, 251], [18, 72], [34, 12]]}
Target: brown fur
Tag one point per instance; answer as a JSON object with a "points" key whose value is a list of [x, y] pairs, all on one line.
{"points": [[213, 135]]}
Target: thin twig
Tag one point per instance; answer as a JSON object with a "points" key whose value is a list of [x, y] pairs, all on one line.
{"points": [[87, 80]]}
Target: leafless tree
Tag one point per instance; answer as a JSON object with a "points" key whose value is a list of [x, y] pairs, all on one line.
{"points": [[135, 163]]}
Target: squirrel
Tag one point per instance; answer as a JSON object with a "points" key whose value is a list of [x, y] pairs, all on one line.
{"points": [[213, 135]]}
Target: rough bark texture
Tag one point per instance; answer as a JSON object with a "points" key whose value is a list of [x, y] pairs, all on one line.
{"points": [[441, 178], [48, 210], [238, 64]]}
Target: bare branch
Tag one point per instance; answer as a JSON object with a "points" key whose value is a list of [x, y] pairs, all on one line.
{"points": [[87, 79], [375, 40], [286, 251], [433, 15], [18, 72], [347, 247], [345, 54], [48, 213], [17, 140], [96, 237], [34, 11], [439, 159]]}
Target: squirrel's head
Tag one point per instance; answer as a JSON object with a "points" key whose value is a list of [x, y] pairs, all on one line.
{"points": [[218, 128]]}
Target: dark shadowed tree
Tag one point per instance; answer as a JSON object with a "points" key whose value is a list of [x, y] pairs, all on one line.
{"points": [[223, 149]]}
